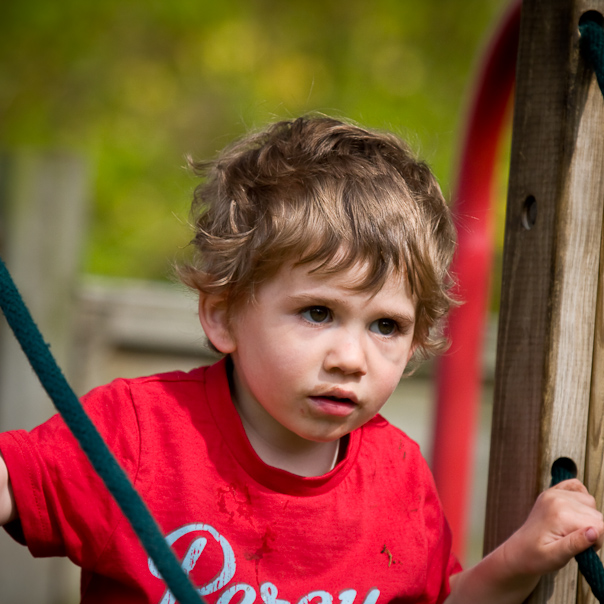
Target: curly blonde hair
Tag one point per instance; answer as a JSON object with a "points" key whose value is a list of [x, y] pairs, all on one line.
{"points": [[330, 194]]}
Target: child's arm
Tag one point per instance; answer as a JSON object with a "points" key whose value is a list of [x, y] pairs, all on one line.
{"points": [[8, 510], [563, 522]]}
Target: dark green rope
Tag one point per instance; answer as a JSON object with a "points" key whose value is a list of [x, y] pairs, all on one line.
{"points": [[68, 405], [589, 563], [592, 48]]}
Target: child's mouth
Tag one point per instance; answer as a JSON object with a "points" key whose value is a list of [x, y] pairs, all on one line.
{"points": [[334, 405], [339, 399]]}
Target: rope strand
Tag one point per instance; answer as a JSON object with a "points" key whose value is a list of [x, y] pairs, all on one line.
{"points": [[102, 460], [591, 45], [589, 563]]}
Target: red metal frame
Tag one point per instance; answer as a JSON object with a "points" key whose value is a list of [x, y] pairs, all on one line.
{"points": [[459, 371]]}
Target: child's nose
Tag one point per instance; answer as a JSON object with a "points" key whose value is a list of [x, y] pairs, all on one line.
{"points": [[346, 353]]}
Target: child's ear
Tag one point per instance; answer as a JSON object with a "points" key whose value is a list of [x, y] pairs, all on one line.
{"points": [[213, 316]]}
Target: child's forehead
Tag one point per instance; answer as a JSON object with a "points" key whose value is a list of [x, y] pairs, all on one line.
{"points": [[352, 279]]}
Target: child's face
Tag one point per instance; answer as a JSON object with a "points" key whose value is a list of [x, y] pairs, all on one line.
{"points": [[314, 358]]}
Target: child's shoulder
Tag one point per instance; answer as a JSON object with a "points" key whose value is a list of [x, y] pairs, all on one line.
{"points": [[149, 382], [392, 454], [123, 396], [194, 375], [379, 433]]}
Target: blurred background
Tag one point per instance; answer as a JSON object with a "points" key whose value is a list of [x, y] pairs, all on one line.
{"points": [[136, 86], [101, 103]]}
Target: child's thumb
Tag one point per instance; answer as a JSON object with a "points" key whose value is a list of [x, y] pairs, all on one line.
{"points": [[580, 540]]}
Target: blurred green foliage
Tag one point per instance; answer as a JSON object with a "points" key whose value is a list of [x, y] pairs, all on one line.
{"points": [[137, 85]]}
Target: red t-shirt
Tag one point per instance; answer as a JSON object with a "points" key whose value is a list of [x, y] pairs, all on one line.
{"points": [[369, 531]]}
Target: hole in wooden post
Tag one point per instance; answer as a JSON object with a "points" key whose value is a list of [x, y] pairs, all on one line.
{"points": [[592, 16], [566, 466], [529, 213]]}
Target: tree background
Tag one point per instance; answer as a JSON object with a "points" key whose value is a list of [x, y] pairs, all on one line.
{"points": [[137, 85]]}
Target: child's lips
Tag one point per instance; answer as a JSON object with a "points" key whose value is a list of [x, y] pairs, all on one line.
{"points": [[338, 403]]}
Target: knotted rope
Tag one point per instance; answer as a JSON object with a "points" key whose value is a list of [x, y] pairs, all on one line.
{"points": [[102, 460]]}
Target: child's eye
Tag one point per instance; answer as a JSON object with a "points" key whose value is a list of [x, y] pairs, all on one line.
{"points": [[316, 314], [384, 327]]}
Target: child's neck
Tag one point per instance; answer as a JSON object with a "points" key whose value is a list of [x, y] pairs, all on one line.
{"points": [[279, 447], [304, 458]]}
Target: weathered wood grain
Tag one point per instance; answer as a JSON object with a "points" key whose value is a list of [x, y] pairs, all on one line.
{"points": [[594, 453], [550, 273]]}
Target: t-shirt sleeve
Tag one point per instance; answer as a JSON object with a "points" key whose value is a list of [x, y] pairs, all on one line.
{"points": [[419, 512], [442, 562], [63, 506]]}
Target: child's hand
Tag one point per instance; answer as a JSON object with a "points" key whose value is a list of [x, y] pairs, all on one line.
{"points": [[563, 522]]}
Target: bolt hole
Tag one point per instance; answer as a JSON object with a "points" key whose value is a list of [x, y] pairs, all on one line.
{"points": [[529, 213], [591, 16], [563, 468]]}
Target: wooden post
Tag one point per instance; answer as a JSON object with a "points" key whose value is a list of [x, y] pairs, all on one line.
{"points": [[550, 277], [594, 453], [43, 202]]}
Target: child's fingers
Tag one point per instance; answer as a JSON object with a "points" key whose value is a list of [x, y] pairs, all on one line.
{"points": [[595, 533], [576, 542], [563, 522], [599, 540], [572, 484], [570, 495]]}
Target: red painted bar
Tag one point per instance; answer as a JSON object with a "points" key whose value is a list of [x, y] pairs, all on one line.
{"points": [[459, 371]]}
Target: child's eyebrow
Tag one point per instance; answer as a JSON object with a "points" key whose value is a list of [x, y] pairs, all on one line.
{"points": [[316, 300], [405, 319]]}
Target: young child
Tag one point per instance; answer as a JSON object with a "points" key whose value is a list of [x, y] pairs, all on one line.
{"points": [[322, 270]]}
